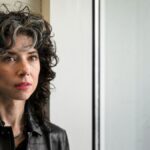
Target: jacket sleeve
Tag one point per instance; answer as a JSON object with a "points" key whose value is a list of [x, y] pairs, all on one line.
{"points": [[58, 138], [64, 144]]}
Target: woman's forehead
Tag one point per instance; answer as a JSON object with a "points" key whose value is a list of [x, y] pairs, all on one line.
{"points": [[23, 43]]}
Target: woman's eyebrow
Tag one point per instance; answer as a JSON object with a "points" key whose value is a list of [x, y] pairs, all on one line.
{"points": [[9, 53], [32, 52], [15, 53]]}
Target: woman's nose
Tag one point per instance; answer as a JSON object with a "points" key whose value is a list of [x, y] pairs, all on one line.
{"points": [[23, 68]]}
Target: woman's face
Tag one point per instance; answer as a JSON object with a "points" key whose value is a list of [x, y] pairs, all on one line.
{"points": [[19, 70]]}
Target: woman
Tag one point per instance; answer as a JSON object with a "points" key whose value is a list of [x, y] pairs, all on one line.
{"points": [[27, 56]]}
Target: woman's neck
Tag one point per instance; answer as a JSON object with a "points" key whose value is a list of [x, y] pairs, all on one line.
{"points": [[12, 113]]}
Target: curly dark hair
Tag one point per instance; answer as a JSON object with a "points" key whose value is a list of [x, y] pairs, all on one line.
{"points": [[13, 23]]}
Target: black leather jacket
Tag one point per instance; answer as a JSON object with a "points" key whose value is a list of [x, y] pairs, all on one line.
{"points": [[46, 137]]}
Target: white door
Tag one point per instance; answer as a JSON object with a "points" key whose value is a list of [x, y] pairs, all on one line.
{"points": [[125, 49]]}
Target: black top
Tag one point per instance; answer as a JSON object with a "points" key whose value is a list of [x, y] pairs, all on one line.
{"points": [[22, 145], [43, 136]]}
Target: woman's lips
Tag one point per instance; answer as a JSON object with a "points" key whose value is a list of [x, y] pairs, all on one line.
{"points": [[23, 85]]}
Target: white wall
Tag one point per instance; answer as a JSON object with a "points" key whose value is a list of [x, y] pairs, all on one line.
{"points": [[125, 50], [71, 100]]}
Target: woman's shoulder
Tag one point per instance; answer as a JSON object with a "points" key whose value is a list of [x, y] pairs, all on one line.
{"points": [[57, 135], [53, 128]]}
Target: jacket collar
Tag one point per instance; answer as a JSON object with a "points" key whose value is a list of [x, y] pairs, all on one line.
{"points": [[2, 123], [32, 124]]}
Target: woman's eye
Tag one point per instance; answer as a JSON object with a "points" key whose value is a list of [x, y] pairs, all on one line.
{"points": [[9, 59], [34, 58]]}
